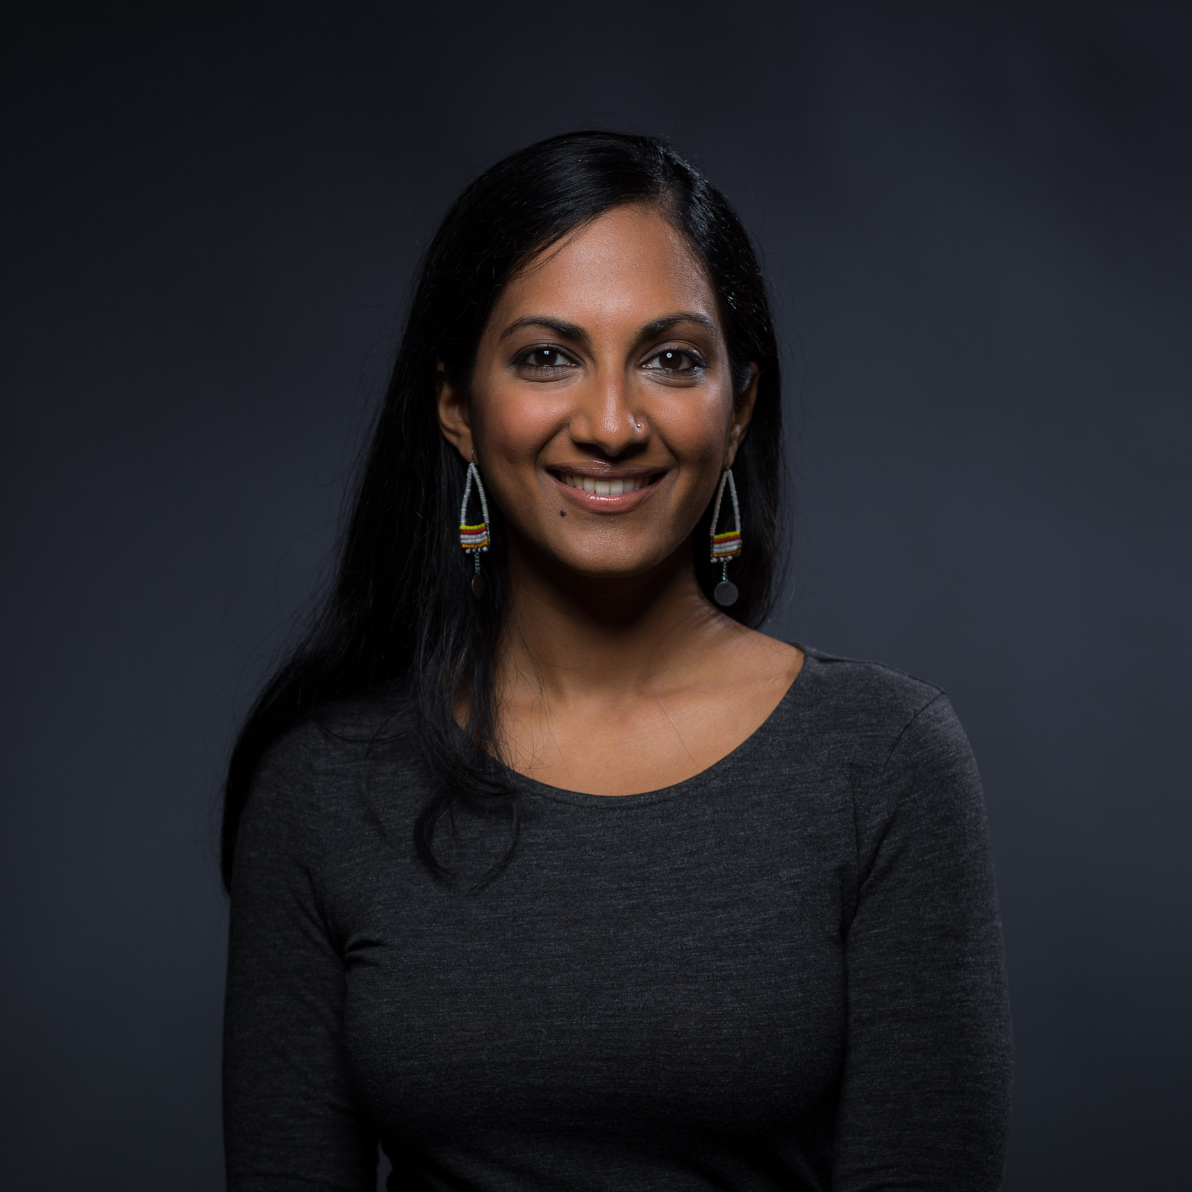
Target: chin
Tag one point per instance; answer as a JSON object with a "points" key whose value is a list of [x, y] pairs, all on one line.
{"points": [[610, 566]]}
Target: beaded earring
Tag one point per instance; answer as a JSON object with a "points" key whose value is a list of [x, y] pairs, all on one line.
{"points": [[727, 545], [475, 538]]}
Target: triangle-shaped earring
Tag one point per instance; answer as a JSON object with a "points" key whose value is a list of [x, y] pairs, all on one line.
{"points": [[727, 545], [475, 537]]}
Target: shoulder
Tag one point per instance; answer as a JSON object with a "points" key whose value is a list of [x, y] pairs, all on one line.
{"points": [[875, 712], [314, 787], [908, 756], [326, 757]]}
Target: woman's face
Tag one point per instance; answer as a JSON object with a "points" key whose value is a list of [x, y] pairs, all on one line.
{"points": [[602, 410]]}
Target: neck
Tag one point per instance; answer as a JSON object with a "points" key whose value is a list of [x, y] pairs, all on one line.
{"points": [[577, 638]]}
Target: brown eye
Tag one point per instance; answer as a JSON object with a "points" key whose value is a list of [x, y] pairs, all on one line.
{"points": [[675, 360], [544, 358]]}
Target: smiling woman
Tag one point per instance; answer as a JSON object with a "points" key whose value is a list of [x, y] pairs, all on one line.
{"points": [[602, 387], [545, 870]]}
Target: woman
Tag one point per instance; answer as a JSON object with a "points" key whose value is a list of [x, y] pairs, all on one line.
{"points": [[548, 870]]}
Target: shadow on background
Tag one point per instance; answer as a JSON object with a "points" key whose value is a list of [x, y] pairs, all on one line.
{"points": [[976, 219]]}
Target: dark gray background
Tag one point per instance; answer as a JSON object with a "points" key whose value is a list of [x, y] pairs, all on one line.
{"points": [[976, 220]]}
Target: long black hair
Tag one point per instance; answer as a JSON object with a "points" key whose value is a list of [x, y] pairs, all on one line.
{"points": [[400, 611]]}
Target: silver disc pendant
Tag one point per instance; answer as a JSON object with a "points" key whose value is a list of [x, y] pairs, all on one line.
{"points": [[480, 586], [725, 593]]}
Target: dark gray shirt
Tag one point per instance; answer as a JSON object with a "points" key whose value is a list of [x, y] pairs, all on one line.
{"points": [[785, 972]]}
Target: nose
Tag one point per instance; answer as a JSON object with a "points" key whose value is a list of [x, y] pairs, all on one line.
{"points": [[604, 415]]}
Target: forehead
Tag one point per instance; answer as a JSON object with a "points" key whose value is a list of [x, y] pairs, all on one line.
{"points": [[628, 266]]}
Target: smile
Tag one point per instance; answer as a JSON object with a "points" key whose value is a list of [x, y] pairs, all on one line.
{"points": [[605, 488]]}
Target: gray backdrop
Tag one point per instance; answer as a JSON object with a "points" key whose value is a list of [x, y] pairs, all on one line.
{"points": [[976, 221]]}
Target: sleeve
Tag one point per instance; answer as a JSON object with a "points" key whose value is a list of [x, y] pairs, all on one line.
{"points": [[925, 1096], [290, 1119]]}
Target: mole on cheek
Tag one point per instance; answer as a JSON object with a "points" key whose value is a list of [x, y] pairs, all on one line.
{"points": [[562, 512]]}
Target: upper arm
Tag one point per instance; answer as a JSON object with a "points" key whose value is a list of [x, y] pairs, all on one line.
{"points": [[290, 1118], [924, 1100]]}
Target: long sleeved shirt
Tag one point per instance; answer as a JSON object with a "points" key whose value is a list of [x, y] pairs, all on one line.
{"points": [[783, 973]]}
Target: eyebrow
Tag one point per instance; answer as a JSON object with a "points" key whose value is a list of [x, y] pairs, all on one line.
{"points": [[558, 326], [574, 332], [658, 326]]}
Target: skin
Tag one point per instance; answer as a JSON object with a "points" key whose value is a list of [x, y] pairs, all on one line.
{"points": [[605, 357]]}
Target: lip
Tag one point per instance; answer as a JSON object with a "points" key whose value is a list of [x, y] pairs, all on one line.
{"points": [[605, 502]]}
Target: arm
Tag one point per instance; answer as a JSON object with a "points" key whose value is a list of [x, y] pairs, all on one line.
{"points": [[290, 1119], [925, 1096]]}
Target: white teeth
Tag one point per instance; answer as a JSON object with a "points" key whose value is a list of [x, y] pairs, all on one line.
{"points": [[605, 488]]}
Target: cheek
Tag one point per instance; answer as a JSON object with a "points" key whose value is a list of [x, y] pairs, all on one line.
{"points": [[511, 430], [512, 426], [695, 431]]}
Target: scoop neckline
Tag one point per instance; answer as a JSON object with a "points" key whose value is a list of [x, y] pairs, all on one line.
{"points": [[559, 794]]}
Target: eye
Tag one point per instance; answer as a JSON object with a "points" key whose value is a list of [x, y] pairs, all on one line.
{"points": [[676, 361], [543, 359]]}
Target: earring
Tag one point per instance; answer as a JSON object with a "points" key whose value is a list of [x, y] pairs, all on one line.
{"points": [[725, 546], [474, 538]]}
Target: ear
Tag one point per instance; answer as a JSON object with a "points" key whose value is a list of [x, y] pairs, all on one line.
{"points": [[455, 419], [742, 413]]}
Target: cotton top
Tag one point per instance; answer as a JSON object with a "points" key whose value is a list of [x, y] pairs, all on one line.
{"points": [[783, 973]]}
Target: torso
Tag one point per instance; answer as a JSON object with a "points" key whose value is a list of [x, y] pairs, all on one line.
{"points": [[663, 991]]}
